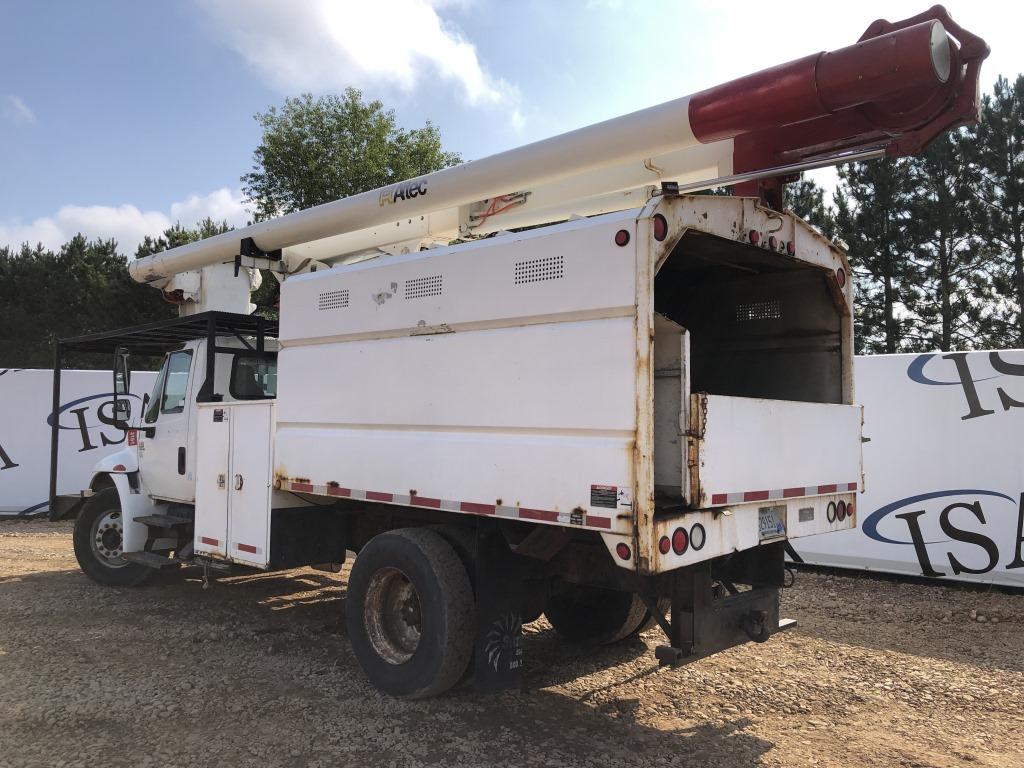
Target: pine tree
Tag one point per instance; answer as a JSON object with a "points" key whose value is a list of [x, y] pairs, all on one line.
{"points": [[873, 217], [954, 305], [807, 200], [998, 156]]}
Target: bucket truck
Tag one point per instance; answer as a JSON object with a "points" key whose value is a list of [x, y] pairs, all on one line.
{"points": [[617, 420]]}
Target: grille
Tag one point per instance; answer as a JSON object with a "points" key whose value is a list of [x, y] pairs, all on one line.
{"points": [[333, 299], [758, 310], [536, 270], [419, 287]]}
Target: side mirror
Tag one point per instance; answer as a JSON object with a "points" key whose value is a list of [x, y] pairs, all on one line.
{"points": [[147, 431], [122, 383], [122, 372]]}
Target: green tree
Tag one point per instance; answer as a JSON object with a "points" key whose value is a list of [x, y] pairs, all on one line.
{"points": [[807, 200], [997, 153], [315, 150], [873, 217], [954, 307], [179, 235], [82, 288]]}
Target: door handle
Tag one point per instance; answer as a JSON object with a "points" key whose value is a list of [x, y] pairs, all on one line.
{"points": [[181, 460], [238, 482]]}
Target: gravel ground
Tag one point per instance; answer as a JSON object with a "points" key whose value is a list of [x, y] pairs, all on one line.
{"points": [[257, 671]]}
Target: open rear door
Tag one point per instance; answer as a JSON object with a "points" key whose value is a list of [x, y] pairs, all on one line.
{"points": [[746, 449]]}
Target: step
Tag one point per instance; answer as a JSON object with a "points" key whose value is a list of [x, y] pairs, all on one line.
{"points": [[151, 559], [163, 521]]}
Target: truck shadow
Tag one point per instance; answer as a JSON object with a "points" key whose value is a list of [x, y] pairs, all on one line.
{"points": [[296, 618]]}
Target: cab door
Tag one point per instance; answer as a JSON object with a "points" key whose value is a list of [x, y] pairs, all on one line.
{"points": [[164, 442]]}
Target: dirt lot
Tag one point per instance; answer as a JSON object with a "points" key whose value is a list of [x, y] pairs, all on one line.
{"points": [[257, 671]]}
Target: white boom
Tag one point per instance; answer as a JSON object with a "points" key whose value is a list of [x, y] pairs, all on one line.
{"points": [[896, 89]]}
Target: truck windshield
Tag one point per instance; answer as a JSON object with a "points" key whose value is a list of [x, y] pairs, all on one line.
{"points": [[253, 378]]}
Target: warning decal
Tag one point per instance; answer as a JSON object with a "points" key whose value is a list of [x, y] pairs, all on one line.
{"points": [[604, 496]]}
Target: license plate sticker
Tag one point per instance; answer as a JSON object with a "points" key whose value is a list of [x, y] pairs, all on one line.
{"points": [[771, 522]]}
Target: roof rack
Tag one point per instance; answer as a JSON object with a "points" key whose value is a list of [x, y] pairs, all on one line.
{"points": [[157, 338], [152, 339]]}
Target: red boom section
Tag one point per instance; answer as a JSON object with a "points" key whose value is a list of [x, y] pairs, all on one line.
{"points": [[898, 88]]}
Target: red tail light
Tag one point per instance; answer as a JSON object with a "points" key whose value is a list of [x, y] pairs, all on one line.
{"points": [[755, 236], [680, 540], [841, 511], [841, 277], [622, 550], [660, 227], [664, 545], [622, 238]]}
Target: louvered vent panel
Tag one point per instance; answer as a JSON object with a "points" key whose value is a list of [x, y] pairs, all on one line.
{"points": [[333, 299], [758, 310], [538, 270], [419, 287]]}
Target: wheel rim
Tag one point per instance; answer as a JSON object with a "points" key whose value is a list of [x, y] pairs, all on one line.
{"points": [[392, 615], [107, 539]]}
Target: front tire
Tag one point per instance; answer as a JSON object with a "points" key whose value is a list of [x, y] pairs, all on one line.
{"points": [[410, 613], [98, 543]]}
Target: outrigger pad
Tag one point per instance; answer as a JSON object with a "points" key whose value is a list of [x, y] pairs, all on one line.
{"points": [[498, 664]]}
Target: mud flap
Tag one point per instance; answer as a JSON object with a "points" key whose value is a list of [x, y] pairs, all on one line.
{"points": [[498, 658]]}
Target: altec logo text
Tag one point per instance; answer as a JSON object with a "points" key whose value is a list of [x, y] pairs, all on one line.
{"points": [[405, 191]]}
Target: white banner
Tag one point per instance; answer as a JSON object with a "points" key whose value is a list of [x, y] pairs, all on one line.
{"points": [[87, 432], [944, 469]]}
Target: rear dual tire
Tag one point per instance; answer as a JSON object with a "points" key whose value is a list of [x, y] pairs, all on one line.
{"points": [[410, 613], [597, 616]]}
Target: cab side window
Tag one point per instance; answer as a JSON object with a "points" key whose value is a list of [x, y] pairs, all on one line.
{"points": [[170, 387], [176, 383], [153, 408], [253, 378]]}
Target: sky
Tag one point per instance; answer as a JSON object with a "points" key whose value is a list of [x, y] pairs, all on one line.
{"points": [[119, 117]]}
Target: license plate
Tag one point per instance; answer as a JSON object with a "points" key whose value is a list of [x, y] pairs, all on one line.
{"points": [[771, 522]]}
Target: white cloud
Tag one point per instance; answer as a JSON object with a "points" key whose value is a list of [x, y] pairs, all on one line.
{"points": [[16, 110], [320, 45], [125, 223]]}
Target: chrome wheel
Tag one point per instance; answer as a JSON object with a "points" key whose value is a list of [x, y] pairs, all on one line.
{"points": [[392, 615], [107, 539]]}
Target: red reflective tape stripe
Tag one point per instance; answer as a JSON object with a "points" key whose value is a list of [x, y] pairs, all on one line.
{"points": [[599, 522], [788, 493], [851, 486], [247, 548], [211, 542], [425, 501], [476, 509], [378, 496], [538, 514], [302, 487], [720, 498], [335, 490], [756, 495], [827, 488]]}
